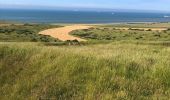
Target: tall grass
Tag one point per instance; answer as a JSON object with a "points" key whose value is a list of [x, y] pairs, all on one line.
{"points": [[95, 72]]}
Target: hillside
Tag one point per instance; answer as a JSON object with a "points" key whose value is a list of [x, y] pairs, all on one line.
{"points": [[25, 33], [105, 71]]}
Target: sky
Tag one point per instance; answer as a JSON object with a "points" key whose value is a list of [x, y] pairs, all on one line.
{"points": [[161, 5]]}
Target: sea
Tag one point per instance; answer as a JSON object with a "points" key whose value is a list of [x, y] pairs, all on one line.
{"points": [[89, 17]]}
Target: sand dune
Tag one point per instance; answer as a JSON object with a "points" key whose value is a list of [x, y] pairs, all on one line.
{"points": [[63, 32]]}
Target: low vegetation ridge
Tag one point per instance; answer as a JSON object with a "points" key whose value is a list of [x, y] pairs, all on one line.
{"points": [[118, 34], [25, 33]]}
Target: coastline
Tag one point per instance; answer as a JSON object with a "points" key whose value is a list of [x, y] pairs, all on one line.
{"points": [[68, 23]]}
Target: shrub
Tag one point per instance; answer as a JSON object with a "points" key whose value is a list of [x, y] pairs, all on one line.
{"points": [[34, 40], [149, 30]]}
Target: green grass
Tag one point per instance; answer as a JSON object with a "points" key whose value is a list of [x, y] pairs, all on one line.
{"points": [[114, 71], [112, 34], [141, 25], [112, 65], [25, 33]]}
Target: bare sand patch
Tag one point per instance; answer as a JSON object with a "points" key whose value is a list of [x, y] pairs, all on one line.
{"points": [[63, 32], [5, 24]]}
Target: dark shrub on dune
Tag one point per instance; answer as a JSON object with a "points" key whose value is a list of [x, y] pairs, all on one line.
{"points": [[149, 30]]}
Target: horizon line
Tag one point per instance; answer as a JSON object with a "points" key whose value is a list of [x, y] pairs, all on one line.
{"points": [[72, 8]]}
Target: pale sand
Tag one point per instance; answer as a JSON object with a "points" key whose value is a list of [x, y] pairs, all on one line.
{"points": [[63, 32], [5, 24]]}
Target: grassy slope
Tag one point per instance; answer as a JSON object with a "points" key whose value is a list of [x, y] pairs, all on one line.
{"points": [[112, 34], [25, 33], [131, 69], [110, 71]]}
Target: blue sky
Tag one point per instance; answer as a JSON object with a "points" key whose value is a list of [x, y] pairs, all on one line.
{"points": [[163, 5]]}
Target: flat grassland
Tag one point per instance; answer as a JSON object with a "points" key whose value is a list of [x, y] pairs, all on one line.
{"points": [[114, 64]]}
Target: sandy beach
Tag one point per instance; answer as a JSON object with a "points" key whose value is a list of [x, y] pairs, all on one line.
{"points": [[63, 32]]}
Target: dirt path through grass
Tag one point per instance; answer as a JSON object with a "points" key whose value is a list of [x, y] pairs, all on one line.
{"points": [[63, 32]]}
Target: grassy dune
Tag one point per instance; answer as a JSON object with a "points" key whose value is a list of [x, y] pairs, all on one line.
{"points": [[118, 70], [113, 34], [25, 33], [114, 64]]}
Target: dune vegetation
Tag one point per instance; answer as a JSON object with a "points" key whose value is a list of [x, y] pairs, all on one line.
{"points": [[118, 34], [25, 33], [105, 71], [120, 68]]}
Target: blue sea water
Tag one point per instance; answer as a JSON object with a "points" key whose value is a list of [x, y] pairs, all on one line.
{"points": [[47, 16]]}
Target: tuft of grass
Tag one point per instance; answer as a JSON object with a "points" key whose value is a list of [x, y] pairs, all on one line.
{"points": [[117, 70]]}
